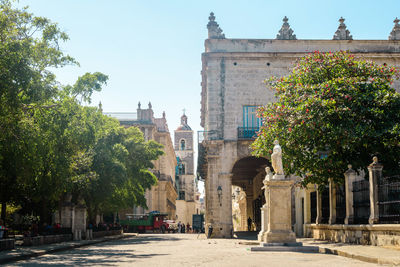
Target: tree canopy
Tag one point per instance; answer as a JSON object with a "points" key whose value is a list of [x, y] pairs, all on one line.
{"points": [[51, 144], [332, 110]]}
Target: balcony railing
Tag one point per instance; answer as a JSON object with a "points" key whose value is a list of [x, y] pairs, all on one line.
{"points": [[163, 177], [247, 132]]}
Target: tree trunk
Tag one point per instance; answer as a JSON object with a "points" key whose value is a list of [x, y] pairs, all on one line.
{"points": [[3, 211]]}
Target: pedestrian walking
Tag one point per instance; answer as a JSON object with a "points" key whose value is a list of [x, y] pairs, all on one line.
{"points": [[249, 221]]}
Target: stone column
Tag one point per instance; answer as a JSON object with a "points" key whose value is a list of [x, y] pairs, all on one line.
{"points": [[307, 206], [375, 174], [279, 212], [349, 178], [319, 207], [332, 201]]}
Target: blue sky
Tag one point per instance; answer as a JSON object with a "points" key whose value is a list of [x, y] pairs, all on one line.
{"points": [[151, 50]]}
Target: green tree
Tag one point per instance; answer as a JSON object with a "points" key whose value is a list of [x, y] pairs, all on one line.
{"points": [[332, 110], [29, 46], [122, 160], [37, 140]]}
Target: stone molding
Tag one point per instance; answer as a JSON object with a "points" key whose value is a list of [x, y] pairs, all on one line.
{"points": [[229, 47]]}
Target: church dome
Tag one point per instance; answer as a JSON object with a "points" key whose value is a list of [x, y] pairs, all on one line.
{"points": [[184, 126]]}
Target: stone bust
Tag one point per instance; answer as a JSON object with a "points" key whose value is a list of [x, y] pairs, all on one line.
{"points": [[276, 158], [268, 173]]}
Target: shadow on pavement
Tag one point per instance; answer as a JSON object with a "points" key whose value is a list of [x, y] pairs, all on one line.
{"points": [[100, 254], [246, 235]]}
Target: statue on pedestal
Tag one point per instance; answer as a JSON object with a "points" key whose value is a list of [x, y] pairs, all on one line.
{"points": [[276, 158]]}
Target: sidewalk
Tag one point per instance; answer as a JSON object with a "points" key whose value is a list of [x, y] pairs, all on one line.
{"points": [[372, 254], [21, 252]]}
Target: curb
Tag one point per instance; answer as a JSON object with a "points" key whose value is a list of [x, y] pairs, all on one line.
{"points": [[325, 250], [358, 257], [62, 248]]}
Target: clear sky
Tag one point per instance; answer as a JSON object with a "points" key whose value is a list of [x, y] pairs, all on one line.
{"points": [[151, 50]]}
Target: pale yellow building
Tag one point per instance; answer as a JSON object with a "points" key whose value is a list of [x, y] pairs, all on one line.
{"points": [[161, 197]]}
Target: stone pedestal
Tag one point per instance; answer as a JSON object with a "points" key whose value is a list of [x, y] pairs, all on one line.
{"points": [[279, 211], [264, 223]]}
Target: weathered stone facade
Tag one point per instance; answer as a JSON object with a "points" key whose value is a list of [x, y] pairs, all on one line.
{"points": [[233, 71]]}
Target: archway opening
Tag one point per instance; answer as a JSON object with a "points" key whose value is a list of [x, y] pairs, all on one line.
{"points": [[248, 196]]}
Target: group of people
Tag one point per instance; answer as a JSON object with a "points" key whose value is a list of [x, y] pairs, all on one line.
{"points": [[184, 229]]}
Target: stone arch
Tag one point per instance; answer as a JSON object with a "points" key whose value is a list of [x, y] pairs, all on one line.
{"points": [[248, 174]]}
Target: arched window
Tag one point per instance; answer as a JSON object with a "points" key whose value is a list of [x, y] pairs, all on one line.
{"points": [[183, 144]]}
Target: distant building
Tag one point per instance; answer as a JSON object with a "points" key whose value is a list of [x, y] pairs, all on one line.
{"points": [[188, 201], [161, 197]]}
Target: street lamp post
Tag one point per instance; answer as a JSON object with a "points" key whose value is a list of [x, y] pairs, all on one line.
{"points": [[219, 190]]}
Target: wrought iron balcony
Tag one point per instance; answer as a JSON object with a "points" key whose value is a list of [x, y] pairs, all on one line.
{"points": [[247, 133]]}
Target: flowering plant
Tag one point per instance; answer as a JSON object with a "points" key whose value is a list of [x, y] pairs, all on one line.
{"points": [[332, 110]]}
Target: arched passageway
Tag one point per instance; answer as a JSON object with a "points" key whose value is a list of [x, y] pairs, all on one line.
{"points": [[247, 180]]}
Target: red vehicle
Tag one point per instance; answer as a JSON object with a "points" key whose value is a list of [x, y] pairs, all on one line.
{"points": [[140, 223]]}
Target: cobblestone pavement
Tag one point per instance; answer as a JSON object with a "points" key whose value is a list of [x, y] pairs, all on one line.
{"points": [[182, 250]]}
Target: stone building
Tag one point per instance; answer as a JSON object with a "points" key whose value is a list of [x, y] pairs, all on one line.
{"points": [[233, 71], [188, 201], [161, 197]]}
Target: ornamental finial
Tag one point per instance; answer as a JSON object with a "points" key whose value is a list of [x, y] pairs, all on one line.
{"points": [[395, 33], [349, 166], [214, 31], [286, 33], [342, 32]]}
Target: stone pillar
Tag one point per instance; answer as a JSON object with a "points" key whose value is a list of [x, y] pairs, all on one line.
{"points": [[349, 178], [375, 174], [332, 201], [66, 214], [264, 212], [264, 223], [218, 208], [211, 197], [279, 212], [307, 206], [319, 207], [224, 228]]}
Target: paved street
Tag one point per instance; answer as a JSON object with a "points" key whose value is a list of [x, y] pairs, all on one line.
{"points": [[182, 250]]}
